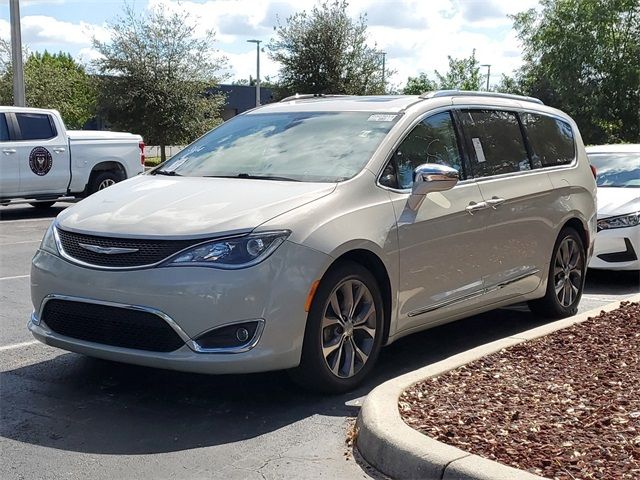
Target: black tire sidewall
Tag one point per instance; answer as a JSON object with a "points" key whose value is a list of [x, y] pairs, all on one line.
{"points": [[313, 371], [100, 177]]}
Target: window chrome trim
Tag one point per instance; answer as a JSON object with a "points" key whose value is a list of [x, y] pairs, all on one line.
{"points": [[469, 296], [36, 319]]}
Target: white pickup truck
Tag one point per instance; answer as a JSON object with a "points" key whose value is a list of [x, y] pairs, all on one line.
{"points": [[42, 162]]}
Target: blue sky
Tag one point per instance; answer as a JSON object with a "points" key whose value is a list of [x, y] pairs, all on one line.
{"points": [[416, 34]]}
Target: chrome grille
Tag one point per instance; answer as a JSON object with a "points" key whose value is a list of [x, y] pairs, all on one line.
{"points": [[148, 252]]}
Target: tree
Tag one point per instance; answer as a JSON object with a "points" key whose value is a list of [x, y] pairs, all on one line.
{"points": [[54, 81], [154, 72], [583, 56], [326, 51], [463, 74]]}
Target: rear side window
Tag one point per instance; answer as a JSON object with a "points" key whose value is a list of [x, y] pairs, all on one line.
{"points": [[496, 140], [4, 130], [551, 140], [35, 126]]}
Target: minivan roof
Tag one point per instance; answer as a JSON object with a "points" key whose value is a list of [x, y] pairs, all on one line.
{"points": [[619, 148], [380, 103]]}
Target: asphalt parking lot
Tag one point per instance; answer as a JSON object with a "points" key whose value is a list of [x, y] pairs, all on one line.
{"points": [[67, 416]]}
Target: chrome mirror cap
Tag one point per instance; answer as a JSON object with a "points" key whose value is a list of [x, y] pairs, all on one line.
{"points": [[431, 177]]}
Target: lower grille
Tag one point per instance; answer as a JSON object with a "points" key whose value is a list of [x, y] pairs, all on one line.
{"points": [[109, 325]]}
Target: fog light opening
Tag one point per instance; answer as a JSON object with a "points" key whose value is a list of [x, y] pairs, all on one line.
{"points": [[233, 338], [242, 334]]}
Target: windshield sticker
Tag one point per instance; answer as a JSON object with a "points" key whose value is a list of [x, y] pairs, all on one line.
{"points": [[40, 161], [380, 117], [477, 146]]}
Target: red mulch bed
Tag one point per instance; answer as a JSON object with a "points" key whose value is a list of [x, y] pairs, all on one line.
{"points": [[564, 406]]}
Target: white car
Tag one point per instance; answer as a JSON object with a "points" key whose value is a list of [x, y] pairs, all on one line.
{"points": [[41, 162], [307, 234], [618, 177]]}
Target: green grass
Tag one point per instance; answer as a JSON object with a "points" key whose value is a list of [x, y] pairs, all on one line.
{"points": [[151, 161]]}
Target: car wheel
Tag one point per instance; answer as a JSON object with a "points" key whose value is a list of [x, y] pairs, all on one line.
{"points": [[566, 278], [103, 180], [42, 205], [344, 331]]}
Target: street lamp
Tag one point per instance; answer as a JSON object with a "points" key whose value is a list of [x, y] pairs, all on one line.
{"points": [[257, 42], [384, 56], [488, 73]]}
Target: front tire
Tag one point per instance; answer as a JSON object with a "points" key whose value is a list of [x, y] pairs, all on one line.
{"points": [[566, 277], [344, 331]]}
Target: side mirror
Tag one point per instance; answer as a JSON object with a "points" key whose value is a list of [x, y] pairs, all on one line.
{"points": [[431, 177]]}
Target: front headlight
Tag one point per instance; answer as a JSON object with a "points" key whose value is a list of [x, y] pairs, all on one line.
{"points": [[230, 253], [48, 243], [621, 221]]}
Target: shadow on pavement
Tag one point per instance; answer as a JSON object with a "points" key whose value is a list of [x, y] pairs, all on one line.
{"points": [[22, 212], [81, 404], [611, 282]]}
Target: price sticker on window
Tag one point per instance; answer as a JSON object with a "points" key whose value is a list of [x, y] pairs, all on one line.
{"points": [[477, 146]]}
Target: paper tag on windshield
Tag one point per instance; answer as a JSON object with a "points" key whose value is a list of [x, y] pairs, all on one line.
{"points": [[380, 117], [477, 146]]}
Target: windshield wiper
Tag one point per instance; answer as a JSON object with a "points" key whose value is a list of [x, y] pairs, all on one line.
{"points": [[168, 173], [255, 177]]}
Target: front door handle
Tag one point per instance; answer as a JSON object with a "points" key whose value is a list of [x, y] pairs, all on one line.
{"points": [[494, 202], [474, 207], [9, 151], [59, 149]]}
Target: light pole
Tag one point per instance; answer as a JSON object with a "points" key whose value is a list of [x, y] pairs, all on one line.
{"points": [[384, 56], [257, 42], [488, 73], [16, 55]]}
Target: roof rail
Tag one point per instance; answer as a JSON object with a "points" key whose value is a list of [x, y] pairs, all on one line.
{"points": [[304, 96], [470, 93]]}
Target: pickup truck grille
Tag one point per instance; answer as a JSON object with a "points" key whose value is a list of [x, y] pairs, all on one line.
{"points": [[143, 252]]}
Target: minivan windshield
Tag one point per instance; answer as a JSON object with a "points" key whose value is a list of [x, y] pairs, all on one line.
{"points": [[617, 169], [297, 146]]}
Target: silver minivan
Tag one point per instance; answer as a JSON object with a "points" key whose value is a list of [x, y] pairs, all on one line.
{"points": [[306, 234]]}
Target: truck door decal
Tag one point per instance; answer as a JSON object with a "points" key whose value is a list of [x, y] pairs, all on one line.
{"points": [[40, 161]]}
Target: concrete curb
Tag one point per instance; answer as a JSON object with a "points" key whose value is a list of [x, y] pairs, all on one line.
{"points": [[401, 452]]}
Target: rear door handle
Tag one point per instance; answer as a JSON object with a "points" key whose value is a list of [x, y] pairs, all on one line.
{"points": [[9, 151], [494, 202], [59, 149], [474, 207]]}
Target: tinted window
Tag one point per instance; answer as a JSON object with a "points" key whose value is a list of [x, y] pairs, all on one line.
{"points": [[35, 126], [497, 142], [617, 169], [304, 146], [431, 141], [4, 131], [551, 140]]}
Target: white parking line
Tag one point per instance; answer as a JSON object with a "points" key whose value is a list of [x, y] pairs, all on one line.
{"points": [[19, 243], [17, 345], [13, 278]]}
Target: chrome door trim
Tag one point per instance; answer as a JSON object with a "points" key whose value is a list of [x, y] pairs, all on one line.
{"points": [[469, 296], [192, 344]]}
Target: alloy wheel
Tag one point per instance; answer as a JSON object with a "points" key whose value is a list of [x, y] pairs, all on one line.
{"points": [[568, 271], [107, 182], [348, 328]]}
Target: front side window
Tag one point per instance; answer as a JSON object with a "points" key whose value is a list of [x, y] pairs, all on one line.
{"points": [[433, 140], [617, 169], [497, 142], [4, 130], [551, 140], [35, 126], [299, 146]]}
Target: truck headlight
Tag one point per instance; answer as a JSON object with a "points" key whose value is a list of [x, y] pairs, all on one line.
{"points": [[621, 221], [231, 253], [48, 243]]}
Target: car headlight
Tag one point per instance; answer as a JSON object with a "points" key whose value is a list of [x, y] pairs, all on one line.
{"points": [[48, 243], [231, 253], [621, 221]]}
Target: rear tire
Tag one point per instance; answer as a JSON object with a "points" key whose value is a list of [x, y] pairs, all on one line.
{"points": [[42, 205], [341, 348], [565, 281], [103, 180]]}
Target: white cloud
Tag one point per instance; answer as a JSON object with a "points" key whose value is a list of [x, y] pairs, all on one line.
{"points": [[42, 29]]}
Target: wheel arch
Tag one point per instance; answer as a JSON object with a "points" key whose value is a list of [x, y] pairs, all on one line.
{"points": [[579, 226], [106, 166]]}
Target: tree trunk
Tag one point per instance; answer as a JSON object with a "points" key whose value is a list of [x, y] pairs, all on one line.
{"points": [[163, 153]]}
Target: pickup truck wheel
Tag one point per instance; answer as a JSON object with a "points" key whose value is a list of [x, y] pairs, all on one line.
{"points": [[42, 205], [103, 180]]}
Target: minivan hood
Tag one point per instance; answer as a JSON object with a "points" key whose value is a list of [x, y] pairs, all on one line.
{"points": [[178, 207], [617, 201]]}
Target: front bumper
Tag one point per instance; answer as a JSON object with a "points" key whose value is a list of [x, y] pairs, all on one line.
{"points": [[617, 249], [196, 299]]}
